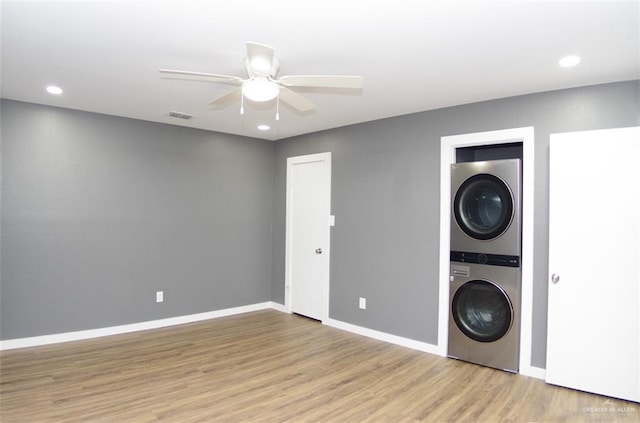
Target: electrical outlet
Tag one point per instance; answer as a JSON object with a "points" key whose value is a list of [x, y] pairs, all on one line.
{"points": [[362, 303], [159, 296]]}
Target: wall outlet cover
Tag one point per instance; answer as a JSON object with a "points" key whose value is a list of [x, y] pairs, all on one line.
{"points": [[362, 303]]}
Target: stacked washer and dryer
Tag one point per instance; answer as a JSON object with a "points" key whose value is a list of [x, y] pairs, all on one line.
{"points": [[485, 273]]}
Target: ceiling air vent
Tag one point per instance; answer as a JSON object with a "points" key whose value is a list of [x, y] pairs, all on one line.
{"points": [[180, 115]]}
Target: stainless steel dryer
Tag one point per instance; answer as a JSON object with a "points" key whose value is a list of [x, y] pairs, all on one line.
{"points": [[484, 313], [485, 210]]}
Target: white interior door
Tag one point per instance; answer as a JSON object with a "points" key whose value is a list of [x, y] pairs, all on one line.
{"points": [[307, 252], [593, 341]]}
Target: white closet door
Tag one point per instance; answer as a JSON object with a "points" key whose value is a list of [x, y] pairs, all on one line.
{"points": [[308, 236], [593, 341]]}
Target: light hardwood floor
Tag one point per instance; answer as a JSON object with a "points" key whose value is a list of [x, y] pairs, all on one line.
{"points": [[270, 366]]}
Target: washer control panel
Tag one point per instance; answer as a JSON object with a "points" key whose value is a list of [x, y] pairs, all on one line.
{"points": [[480, 258]]}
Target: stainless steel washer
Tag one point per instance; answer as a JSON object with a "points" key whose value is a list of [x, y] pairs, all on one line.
{"points": [[484, 314], [485, 210]]}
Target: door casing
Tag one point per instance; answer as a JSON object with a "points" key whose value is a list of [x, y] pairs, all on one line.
{"points": [[448, 147]]}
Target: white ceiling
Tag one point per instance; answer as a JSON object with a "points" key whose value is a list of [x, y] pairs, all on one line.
{"points": [[413, 55]]}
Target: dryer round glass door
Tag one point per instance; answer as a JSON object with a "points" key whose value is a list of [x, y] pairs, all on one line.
{"points": [[482, 311], [483, 206]]}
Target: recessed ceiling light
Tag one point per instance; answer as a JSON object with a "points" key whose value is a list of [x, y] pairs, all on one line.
{"points": [[52, 89], [569, 61], [264, 127]]}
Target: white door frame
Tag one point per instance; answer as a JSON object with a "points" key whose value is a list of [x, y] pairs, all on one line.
{"points": [[449, 144], [292, 161]]}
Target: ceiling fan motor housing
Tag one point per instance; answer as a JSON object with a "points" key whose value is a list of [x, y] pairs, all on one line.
{"points": [[262, 66]]}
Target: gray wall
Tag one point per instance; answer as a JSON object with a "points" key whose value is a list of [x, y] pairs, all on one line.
{"points": [[99, 212], [385, 196]]}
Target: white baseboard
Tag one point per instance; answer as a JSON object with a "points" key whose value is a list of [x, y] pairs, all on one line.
{"points": [[536, 372], [134, 327], [278, 307], [382, 336]]}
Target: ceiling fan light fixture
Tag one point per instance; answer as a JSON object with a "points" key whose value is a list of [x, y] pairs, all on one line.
{"points": [[260, 89]]}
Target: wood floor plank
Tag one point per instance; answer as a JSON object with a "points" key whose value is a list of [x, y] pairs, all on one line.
{"points": [[269, 366]]}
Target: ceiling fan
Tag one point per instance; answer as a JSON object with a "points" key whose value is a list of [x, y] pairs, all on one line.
{"points": [[262, 84]]}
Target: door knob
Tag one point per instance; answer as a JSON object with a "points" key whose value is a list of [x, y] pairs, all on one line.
{"points": [[318, 250], [555, 278]]}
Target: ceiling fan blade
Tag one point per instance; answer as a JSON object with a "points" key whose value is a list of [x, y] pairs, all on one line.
{"points": [[295, 100], [227, 99], [203, 76], [260, 60], [323, 81]]}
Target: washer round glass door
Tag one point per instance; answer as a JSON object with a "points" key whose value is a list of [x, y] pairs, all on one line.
{"points": [[482, 311], [483, 206]]}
